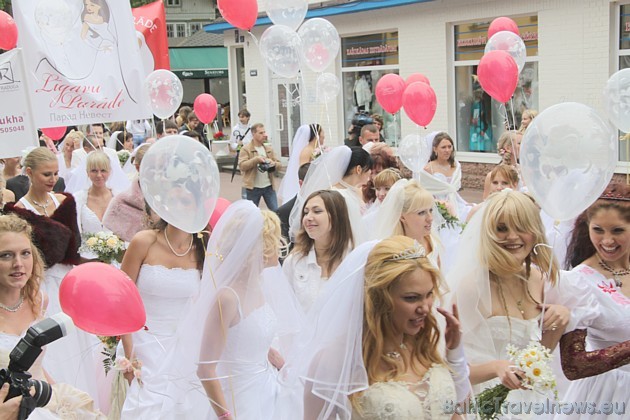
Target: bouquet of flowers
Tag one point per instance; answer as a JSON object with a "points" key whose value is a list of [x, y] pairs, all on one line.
{"points": [[219, 135], [107, 246], [535, 361], [109, 351], [318, 151], [446, 211], [123, 156], [125, 365]]}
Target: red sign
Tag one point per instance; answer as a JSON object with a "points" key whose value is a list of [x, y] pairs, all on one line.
{"points": [[150, 22]]}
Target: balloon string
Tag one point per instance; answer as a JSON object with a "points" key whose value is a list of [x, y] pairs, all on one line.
{"points": [[548, 274], [253, 38], [153, 129]]}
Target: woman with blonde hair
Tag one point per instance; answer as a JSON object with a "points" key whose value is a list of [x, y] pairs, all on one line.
{"points": [[506, 288], [508, 147], [526, 119], [385, 358], [22, 304]]}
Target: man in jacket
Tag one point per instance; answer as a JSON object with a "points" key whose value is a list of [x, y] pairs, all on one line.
{"points": [[257, 163]]}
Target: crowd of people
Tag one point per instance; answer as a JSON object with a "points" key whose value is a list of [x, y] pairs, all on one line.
{"points": [[371, 292]]}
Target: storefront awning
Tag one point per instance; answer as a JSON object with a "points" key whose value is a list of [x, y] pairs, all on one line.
{"points": [[199, 62], [340, 9]]}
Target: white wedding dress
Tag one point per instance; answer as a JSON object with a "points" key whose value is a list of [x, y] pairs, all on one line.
{"points": [[166, 294], [610, 326], [88, 220], [249, 383], [397, 400]]}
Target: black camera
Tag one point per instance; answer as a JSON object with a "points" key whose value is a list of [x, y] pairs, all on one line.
{"points": [[361, 118], [266, 167], [22, 358]]}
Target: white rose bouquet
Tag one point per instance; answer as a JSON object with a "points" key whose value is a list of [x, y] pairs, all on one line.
{"points": [[107, 246]]}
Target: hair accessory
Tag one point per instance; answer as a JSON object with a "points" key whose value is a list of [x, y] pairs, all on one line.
{"points": [[613, 197], [416, 251]]}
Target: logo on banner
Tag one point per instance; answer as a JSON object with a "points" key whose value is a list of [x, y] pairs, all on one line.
{"points": [[7, 79]]}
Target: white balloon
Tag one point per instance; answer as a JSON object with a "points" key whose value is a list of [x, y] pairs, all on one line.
{"points": [[568, 156], [164, 93], [289, 13], [414, 152], [327, 87], [320, 43], [180, 181], [617, 99], [281, 46], [511, 43]]}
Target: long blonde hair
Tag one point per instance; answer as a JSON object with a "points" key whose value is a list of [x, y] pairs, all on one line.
{"points": [[415, 199], [381, 275], [14, 224], [519, 212]]}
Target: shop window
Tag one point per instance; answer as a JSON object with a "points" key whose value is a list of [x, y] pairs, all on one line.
{"points": [[364, 60], [481, 119]]}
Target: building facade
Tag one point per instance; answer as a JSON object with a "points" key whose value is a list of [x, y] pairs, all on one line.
{"points": [[573, 46]]}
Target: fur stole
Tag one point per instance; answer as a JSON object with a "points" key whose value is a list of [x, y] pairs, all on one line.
{"points": [[57, 236], [126, 215]]}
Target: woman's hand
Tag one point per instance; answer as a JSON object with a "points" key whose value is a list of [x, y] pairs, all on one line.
{"points": [[556, 317], [508, 374], [453, 331], [129, 376], [275, 358]]}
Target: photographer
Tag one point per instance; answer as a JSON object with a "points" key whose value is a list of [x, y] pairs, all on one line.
{"points": [[257, 163], [359, 120]]}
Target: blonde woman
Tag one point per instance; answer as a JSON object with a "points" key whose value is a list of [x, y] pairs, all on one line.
{"points": [[526, 119]]}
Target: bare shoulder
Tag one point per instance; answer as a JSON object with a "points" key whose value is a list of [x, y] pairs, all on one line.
{"points": [[60, 197], [144, 239]]}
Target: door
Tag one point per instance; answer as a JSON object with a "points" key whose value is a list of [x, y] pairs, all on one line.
{"points": [[287, 114]]}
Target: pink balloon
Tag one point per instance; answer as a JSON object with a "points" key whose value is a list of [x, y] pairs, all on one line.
{"points": [[8, 31], [240, 13], [102, 300], [205, 107], [221, 205], [420, 102], [498, 75], [55, 133], [502, 24], [417, 77], [389, 92]]}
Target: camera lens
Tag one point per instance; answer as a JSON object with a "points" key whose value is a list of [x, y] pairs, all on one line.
{"points": [[43, 392]]}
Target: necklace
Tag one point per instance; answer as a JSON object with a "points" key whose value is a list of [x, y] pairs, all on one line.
{"points": [[42, 206], [615, 273], [396, 354], [171, 247], [15, 307]]}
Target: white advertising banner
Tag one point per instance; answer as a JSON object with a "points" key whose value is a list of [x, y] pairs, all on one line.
{"points": [[17, 131], [83, 61]]}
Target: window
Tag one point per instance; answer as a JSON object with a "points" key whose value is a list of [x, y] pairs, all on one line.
{"points": [[194, 27], [623, 53], [170, 33], [171, 3], [364, 60], [180, 30], [480, 119]]}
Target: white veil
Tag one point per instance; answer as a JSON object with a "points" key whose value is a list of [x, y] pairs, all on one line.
{"points": [[324, 172], [113, 139], [233, 272], [327, 359], [79, 180], [290, 186]]}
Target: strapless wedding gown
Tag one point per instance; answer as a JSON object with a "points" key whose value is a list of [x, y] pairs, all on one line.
{"points": [[166, 294]]}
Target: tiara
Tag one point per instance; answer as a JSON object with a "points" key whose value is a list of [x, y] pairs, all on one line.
{"points": [[613, 197], [415, 251]]}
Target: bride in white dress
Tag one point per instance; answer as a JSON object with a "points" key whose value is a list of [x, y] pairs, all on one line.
{"points": [[500, 285], [244, 305], [596, 356], [166, 265], [370, 347]]}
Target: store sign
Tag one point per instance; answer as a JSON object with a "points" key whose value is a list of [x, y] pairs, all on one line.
{"points": [[471, 38], [201, 74], [370, 50]]}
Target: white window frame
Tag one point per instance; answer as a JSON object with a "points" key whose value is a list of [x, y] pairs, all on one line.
{"points": [[173, 3], [179, 26], [471, 157], [172, 30], [194, 27], [622, 166]]}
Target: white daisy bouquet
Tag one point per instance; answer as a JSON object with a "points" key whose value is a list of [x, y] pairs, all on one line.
{"points": [[123, 156], [107, 246], [535, 363]]}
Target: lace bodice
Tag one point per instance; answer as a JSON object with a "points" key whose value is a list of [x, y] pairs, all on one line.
{"points": [[166, 294], [397, 400], [88, 220]]}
